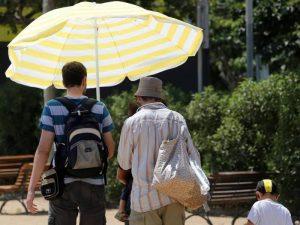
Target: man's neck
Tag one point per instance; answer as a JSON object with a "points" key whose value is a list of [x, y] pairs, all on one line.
{"points": [[268, 196], [147, 102], [74, 92]]}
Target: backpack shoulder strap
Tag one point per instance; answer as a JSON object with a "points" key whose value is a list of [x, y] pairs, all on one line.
{"points": [[71, 106], [88, 103]]}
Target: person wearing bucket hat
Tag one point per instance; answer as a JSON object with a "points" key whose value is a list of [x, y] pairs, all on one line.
{"points": [[141, 136], [150, 87], [267, 210]]}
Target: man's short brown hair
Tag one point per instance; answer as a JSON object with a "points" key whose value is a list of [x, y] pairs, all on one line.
{"points": [[73, 74]]}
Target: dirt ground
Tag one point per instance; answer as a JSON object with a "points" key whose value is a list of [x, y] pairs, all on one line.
{"points": [[13, 214]]}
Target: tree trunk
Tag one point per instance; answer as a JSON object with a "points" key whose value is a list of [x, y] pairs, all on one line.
{"points": [[49, 93]]}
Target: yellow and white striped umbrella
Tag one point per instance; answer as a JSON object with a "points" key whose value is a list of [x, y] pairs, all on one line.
{"points": [[113, 40]]}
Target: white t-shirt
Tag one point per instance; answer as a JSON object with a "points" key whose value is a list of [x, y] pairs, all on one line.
{"points": [[266, 212]]}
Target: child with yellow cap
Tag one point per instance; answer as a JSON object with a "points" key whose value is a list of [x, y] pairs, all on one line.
{"points": [[267, 210]]}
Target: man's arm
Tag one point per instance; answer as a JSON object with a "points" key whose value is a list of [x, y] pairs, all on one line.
{"points": [[125, 147], [40, 159], [122, 175], [108, 139]]}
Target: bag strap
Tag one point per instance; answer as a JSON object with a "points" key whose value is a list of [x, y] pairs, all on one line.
{"points": [[88, 103], [104, 171], [171, 127], [71, 106]]}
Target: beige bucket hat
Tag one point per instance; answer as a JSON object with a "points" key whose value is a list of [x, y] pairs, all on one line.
{"points": [[149, 87]]}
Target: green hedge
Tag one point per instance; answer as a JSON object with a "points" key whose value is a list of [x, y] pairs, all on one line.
{"points": [[257, 126]]}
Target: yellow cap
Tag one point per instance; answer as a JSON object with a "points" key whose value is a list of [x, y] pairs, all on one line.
{"points": [[268, 185]]}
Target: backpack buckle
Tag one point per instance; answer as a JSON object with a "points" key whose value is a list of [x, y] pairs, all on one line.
{"points": [[79, 112]]}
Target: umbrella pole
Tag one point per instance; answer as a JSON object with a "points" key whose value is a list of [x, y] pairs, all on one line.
{"points": [[97, 62]]}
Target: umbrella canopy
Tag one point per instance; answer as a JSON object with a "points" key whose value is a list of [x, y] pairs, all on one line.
{"points": [[113, 40]]}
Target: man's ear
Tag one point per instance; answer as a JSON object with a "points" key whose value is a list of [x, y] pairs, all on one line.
{"points": [[258, 195], [83, 84], [64, 84], [138, 100], [84, 81]]}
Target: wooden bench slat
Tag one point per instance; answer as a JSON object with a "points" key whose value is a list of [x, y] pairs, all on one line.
{"points": [[9, 170], [232, 187], [222, 183], [230, 201], [16, 158], [235, 192], [233, 195], [10, 165]]}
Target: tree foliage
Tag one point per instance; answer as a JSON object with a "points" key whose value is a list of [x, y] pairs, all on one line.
{"points": [[277, 33], [276, 37], [20, 12], [227, 40], [20, 109]]}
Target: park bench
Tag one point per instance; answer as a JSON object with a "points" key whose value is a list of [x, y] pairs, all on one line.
{"points": [[16, 191], [10, 166], [234, 190], [15, 172]]}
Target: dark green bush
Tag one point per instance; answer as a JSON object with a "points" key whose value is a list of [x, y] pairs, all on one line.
{"points": [[204, 114], [20, 110], [118, 106], [255, 127], [245, 137], [286, 150]]}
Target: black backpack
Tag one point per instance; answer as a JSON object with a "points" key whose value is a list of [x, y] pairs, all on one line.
{"points": [[85, 150]]}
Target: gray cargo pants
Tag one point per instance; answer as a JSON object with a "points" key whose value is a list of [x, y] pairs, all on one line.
{"points": [[81, 197]]}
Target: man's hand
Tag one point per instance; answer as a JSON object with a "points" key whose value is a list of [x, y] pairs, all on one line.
{"points": [[249, 223], [122, 175], [32, 208]]}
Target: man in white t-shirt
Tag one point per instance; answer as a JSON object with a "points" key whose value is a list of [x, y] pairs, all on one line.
{"points": [[267, 210]]}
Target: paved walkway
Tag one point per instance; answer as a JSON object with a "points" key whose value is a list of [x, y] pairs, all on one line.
{"points": [[41, 218]]}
